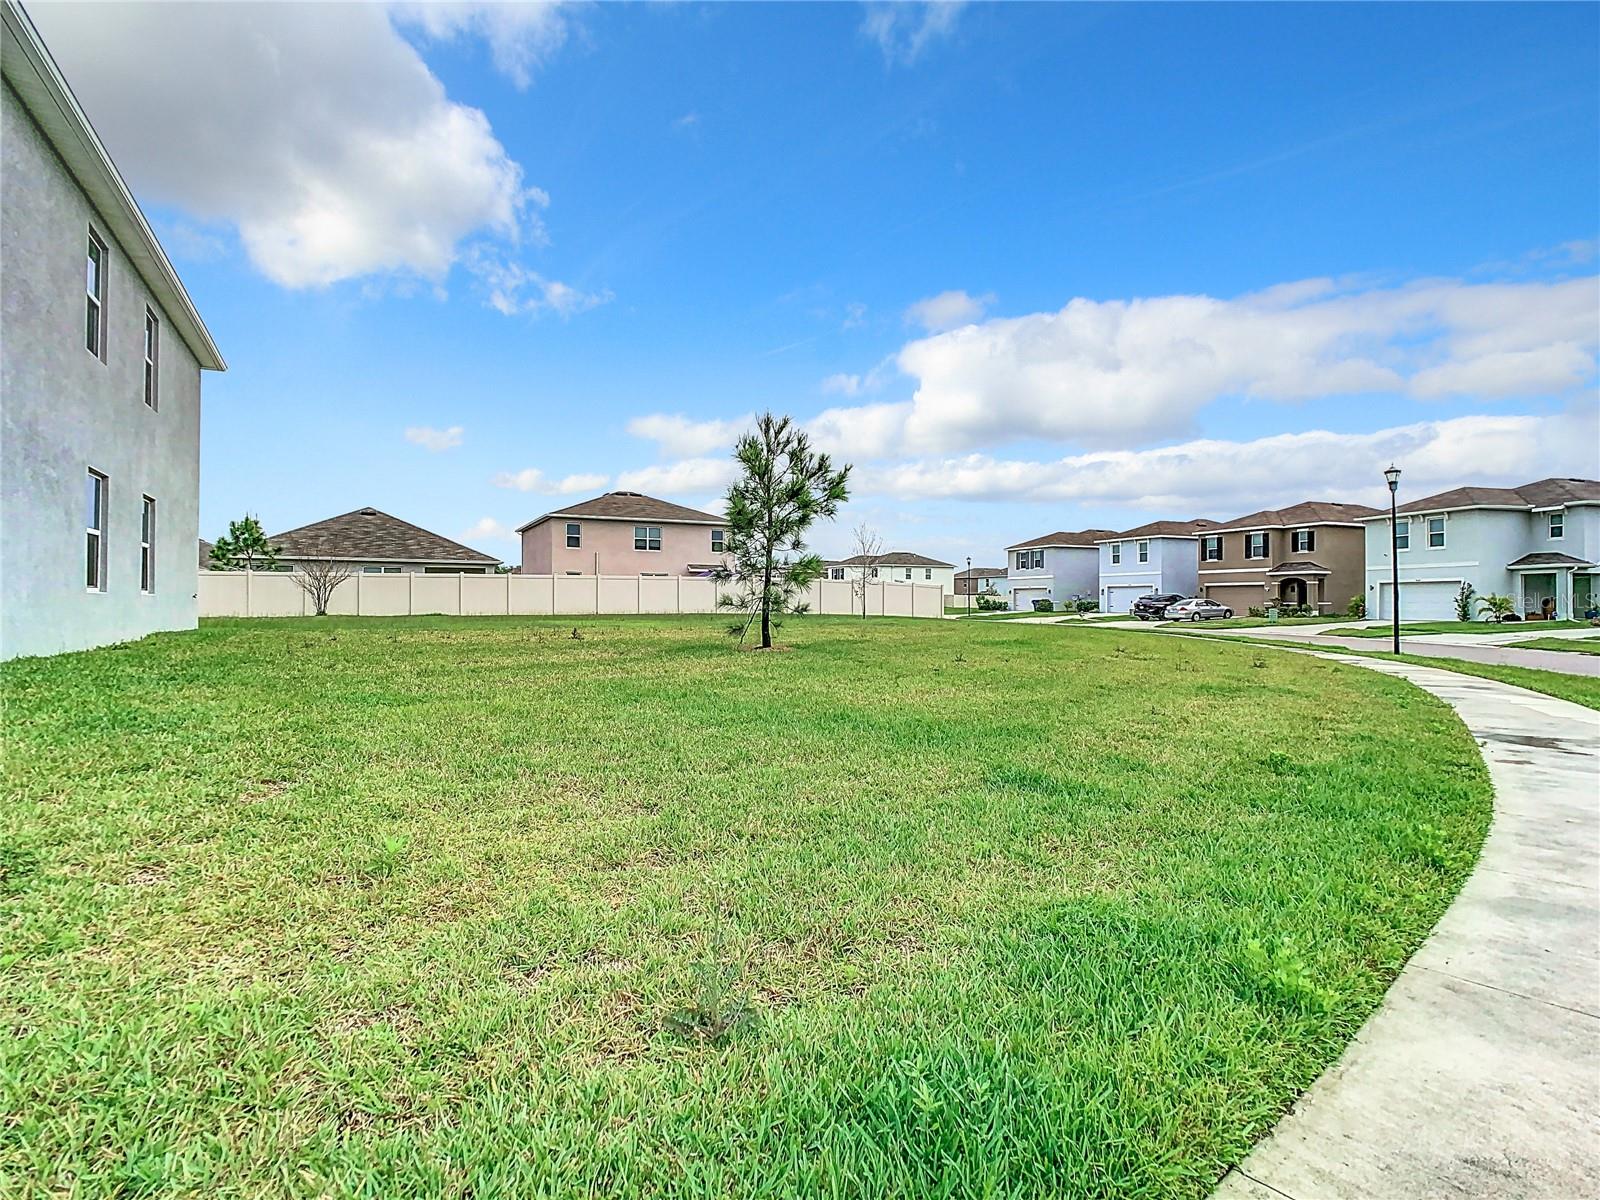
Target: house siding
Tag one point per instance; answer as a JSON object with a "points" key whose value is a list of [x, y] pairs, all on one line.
{"points": [[65, 411], [1069, 573], [1242, 583], [1172, 568], [607, 548]]}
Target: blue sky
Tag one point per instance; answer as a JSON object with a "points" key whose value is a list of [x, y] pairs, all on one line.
{"points": [[1028, 267]]}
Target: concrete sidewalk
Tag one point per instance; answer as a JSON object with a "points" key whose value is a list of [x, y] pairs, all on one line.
{"points": [[1479, 1075]]}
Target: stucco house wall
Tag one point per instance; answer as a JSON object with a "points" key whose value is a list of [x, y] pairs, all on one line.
{"points": [[1069, 572], [1172, 567], [1240, 582], [1478, 545], [66, 411], [607, 548]]}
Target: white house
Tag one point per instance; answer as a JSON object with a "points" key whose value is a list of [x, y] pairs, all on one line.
{"points": [[895, 566], [1538, 544], [100, 358], [1057, 567], [1162, 557]]}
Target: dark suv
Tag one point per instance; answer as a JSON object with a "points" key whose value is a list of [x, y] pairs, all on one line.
{"points": [[1153, 608]]}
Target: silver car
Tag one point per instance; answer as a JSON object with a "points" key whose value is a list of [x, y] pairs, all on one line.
{"points": [[1197, 608]]}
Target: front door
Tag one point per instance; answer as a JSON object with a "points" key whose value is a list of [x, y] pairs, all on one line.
{"points": [[1538, 596], [1292, 592], [1583, 599]]}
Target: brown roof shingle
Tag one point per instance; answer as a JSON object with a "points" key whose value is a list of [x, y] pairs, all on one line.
{"points": [[629, 506], [367, 534], [893, 558], [1177, 529], [1307, 512], [1082, 537], [1542, 493]]}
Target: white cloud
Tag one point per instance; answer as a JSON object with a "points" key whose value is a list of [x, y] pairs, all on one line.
{"points": [[688, 476], [315, 130], [678, 436], [513, 288], [842, 385], [1115, 372], [532, 479], [433, 439], [1226, 478], [688, 123], [487, 529], [521, 36], [948, 310], [903, 30], [855, 315]]}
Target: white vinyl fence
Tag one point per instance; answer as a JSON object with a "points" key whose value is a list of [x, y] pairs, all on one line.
{"points": [[277, 594]]}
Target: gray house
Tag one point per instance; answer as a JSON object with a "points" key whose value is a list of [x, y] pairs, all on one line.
{"points": [[100, 358], [1162, 557], [1538, 543], [1058, 567]]}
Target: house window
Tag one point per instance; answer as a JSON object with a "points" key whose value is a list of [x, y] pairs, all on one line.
{"points": [[927, 572], [874, 572], [1211, 548], [1303, 541], [647, 537], [1557, 524], [391, 570], [835, 572], [94, 520], [1255, 545], [152, 352], [1116, 552], [574, 535], [147, 546], [1144, 552], [94, 334], [1402, 534], [719, 541], [1435, 533]]}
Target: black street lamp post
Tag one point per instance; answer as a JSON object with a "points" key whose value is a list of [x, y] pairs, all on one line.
{"points": [[1393, 476], [969, 585]]}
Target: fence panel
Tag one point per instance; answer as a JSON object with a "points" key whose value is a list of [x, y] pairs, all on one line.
{"points": [[278, 594]]}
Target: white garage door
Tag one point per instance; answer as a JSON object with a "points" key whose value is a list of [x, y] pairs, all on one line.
{"points": [[1419, 601], [1120, 597], [1023, 598]]}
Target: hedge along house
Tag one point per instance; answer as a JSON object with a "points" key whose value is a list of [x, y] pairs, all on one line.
{"points": [[1538, 544], [1057, 567], [623, 533], [1311, 554], [375, 543], [101, 354], [1161, 558]]}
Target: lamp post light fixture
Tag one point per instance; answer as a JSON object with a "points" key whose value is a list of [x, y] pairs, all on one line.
{"points": [[1392, 475], [969, 585]]}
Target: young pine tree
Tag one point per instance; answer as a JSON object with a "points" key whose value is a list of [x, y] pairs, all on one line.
{"points": [[786, 486], [244, 548]]}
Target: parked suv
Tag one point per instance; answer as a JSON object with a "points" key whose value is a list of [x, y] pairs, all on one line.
{"points": [[1153, 608], [1197, 609]]}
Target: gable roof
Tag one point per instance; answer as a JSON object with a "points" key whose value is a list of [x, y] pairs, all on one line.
{"points": [[1307, 512], [1542, 493], [629, 506], [981, 573], [43, 90], [1158, 529], [368, 535], [894, 558], [1081, 538]]}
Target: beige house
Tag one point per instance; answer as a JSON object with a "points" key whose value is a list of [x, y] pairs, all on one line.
{"points": [[1311, 553], [895, 566], [623, 533]]}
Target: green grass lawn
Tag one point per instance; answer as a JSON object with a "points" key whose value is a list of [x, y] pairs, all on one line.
{"points": [[469, 907], [1472, 627], [1581, 645]]}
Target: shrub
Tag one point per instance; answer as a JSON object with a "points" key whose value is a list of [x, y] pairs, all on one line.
{"points": [[1044, 606], [1356, 608], [1255, 610], [1464, 602], [990, 603], [1088, 605], [1497, 608]]}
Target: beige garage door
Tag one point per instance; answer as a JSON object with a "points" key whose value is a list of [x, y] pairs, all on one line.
{"points": [[1238, 597]]}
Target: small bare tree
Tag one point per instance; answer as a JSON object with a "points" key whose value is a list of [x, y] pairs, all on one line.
{"points": [[869, 549], [318, 577]]}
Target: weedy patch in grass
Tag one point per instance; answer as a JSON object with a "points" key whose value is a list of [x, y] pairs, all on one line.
{"points": [[1279, 970], [721, 1004]]}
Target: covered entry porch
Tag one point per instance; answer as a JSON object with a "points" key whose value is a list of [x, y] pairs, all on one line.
{"points": [[1554, 587], [1298, 583]]}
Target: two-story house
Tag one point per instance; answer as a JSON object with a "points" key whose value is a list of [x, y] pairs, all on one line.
{"points": [[623, 533], [978, 581], [1058, 567], [894, 566], [101, 351], [1311, 553], [1160, 558], [1538, 543]]}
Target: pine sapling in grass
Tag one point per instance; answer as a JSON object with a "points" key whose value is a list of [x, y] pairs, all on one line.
{"points": [[720, 1006]]}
